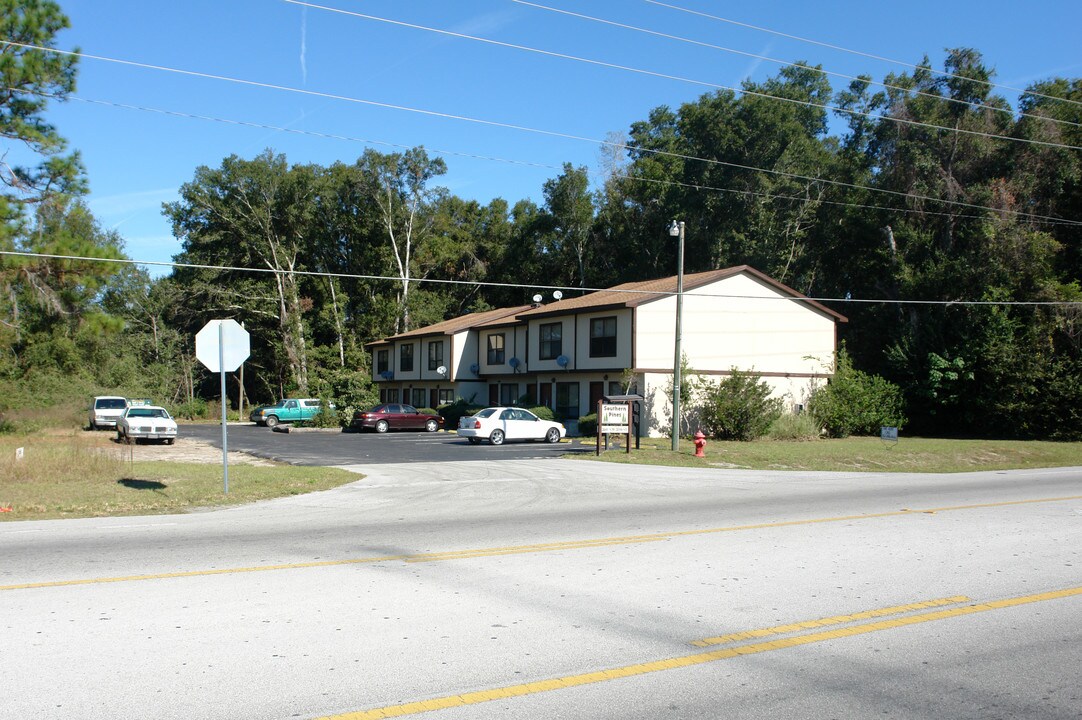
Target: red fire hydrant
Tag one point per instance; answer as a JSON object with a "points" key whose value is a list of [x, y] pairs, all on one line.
{"points": [[700, 444]]}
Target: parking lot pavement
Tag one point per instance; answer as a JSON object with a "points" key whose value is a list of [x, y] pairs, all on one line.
{"points": [[335, 448]]}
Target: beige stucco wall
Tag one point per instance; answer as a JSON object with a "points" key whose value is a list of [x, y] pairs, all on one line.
{"points": [[793, 391], [752, 328], [463, 352], [536, 364], [514, 338], [396, 363], [623, 341]]}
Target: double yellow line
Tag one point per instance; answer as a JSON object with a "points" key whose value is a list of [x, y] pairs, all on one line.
{"points": [[569, 681]]}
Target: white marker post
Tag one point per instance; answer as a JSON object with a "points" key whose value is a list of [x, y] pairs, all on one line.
{"points": [[222, 345]]}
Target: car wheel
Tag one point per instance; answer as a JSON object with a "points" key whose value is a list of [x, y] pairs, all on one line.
{"points": [[382, 426], [496, 438], [169, 441], [432, 426], [272, 421], [552, 436], [474, 441]]}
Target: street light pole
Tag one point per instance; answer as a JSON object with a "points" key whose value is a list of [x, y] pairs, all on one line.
{"points": [[677, 230]]}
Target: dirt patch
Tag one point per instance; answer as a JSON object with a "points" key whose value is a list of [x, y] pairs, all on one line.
{"points": [[187, 450]]}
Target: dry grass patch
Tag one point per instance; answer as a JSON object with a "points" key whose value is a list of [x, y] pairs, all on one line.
{"points": [[66, 475]]}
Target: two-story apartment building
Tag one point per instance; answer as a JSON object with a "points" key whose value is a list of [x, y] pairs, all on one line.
{"points": [[567, 354]]}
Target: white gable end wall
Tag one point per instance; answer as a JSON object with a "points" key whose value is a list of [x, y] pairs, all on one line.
{"points": [[736, 322]]}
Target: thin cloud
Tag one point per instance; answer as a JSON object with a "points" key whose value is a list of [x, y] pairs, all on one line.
{"points": [[133, 202], [487, 23]]}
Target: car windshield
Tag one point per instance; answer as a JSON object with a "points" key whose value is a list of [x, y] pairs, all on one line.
{"points": [[111, 404], [147, 412], [487, 412]]}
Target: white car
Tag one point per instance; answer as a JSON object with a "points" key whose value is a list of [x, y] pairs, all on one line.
{"points": [[497, 424], [146, 422], [105, 410]]}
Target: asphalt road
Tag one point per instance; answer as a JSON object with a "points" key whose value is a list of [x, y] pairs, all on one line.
{"points": [[561, 589], [334, 447]]}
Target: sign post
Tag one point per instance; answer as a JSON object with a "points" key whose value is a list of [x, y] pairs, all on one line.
{"points": [[613, 418], [222, 345]]}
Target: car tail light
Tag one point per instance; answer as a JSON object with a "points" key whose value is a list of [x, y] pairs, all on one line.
{"points": [[476, 424]]}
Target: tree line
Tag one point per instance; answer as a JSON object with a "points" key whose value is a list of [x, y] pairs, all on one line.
{"points": [[949, 219]]}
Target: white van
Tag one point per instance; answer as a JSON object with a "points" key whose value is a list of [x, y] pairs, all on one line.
{"points": [[105, 410]]}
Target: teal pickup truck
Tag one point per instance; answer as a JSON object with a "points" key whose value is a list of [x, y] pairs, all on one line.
{"points": [[286, 410]]}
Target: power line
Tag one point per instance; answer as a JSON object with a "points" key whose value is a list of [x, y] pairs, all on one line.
{"points": [[786, 63], [666, 76], [538, 131], [489, 158], [855, 52], [520, 286], [295, 131]]}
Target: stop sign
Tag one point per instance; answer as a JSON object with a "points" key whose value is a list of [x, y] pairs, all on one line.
{"points": [[222, 345]]}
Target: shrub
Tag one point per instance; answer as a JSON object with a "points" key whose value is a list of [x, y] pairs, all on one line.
{"points": [[739, 408], [588, 425], [453, 412], [543, 412], [327, 417], [856, 403], [196, 409]]}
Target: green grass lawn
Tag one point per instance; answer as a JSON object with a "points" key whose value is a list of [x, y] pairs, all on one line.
{"points": [[862, 454]]}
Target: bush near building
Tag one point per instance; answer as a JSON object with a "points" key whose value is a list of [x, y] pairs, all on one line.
{"points": [[739, 408], [856, 403]]}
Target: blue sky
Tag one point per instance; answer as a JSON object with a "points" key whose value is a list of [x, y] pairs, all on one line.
{"points": [[136, 159]]}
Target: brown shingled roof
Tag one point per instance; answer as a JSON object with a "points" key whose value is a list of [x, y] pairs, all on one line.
{"points": [[636, 293], [455, 325]]}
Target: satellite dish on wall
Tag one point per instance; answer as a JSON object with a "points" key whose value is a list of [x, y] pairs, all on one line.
{"points": [[562, 361], [387, 374], [557, 294], [475, 368], [441, 370], [514, 363], [537, 298]]}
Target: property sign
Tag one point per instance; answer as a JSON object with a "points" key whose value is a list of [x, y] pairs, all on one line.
{"points": [[888, 434], [614, 418]]}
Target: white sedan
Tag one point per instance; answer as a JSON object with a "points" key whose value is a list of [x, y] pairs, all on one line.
{"points": [[146, 422], [497, 424]]}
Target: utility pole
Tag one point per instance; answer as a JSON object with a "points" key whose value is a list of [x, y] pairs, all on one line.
{"points": [[677, 230]]}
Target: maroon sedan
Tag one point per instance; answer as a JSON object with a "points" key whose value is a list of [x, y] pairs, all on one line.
{"points": [[395, 416]]}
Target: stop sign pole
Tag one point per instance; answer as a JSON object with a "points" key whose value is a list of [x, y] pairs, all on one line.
{"points": [[225, 442], [222, 345]]}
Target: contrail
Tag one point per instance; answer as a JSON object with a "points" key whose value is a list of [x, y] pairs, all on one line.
{"points": [[304, 44]]}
